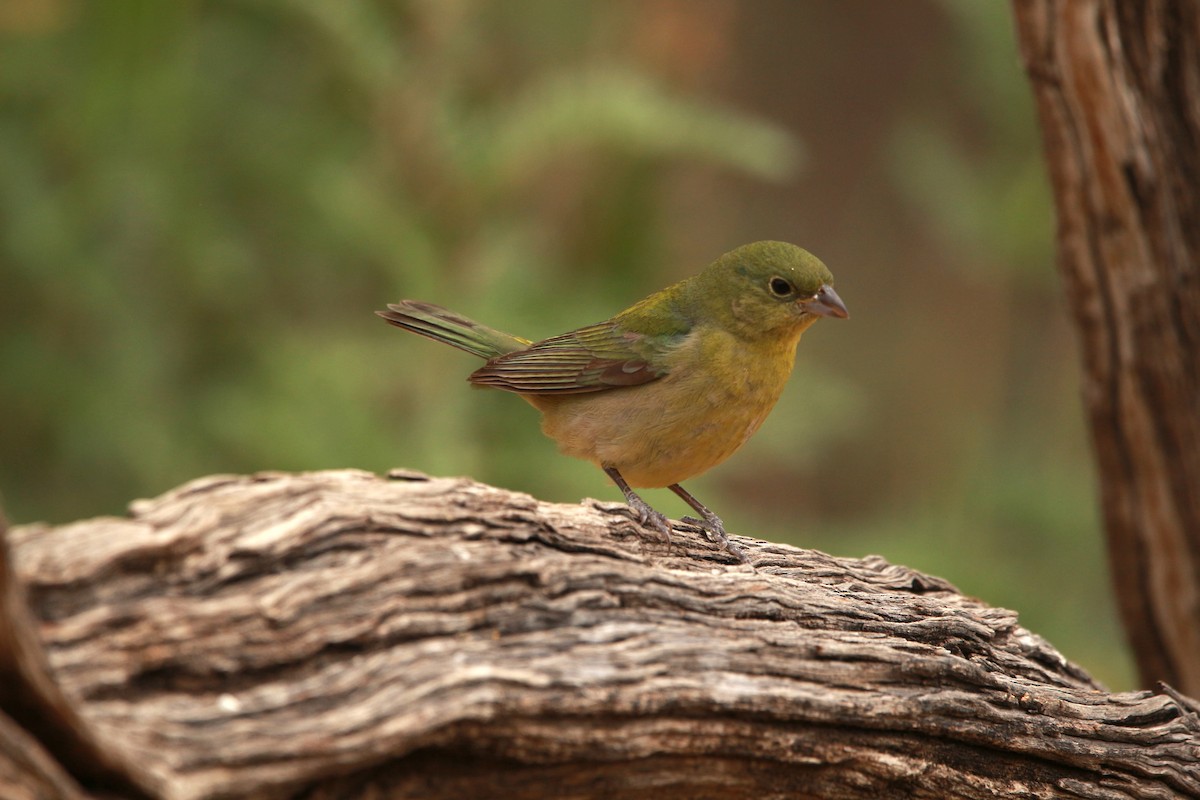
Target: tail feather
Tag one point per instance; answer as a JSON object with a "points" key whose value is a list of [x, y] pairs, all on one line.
{"points": [[443, 325]]}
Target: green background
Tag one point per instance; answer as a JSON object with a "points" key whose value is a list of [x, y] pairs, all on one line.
{"points": [[202, 202]]}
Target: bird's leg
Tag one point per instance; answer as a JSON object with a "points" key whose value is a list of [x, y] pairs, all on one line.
{"points": [[641, 509], [710, 523]]}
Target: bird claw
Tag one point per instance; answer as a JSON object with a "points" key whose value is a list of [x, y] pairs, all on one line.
{"points": [[714, 530], [710, 523], [642, 514], [646, 515], [704, 527]]}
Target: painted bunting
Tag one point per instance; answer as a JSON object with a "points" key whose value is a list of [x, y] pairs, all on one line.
{"points": [[671, 386]]}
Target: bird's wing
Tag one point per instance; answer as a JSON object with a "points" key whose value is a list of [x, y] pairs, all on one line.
{"points": [[592, 359]]}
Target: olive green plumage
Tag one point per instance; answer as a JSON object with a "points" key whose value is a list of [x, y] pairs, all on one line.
{"points": [[671, 386]]}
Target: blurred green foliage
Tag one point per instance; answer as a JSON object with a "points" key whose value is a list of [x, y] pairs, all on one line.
{"points": [[202, 201]]}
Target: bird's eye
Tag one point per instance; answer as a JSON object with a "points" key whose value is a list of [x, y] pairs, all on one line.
{"points": [[780, 287]]}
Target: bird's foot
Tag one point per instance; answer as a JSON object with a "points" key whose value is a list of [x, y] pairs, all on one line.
{"points": [[710, 524], [639, 508], [646, 515], [714, 530]]}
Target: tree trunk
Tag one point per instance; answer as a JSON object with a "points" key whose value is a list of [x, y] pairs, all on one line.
{"points": [[1117, 86], [335, 634]]}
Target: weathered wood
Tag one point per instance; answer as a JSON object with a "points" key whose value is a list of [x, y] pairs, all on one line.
{"points": [[27, 771], [35, 715], [1117, 86], [335, 634]]}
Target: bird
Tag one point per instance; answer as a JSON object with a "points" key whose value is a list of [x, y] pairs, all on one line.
{"points": [[671, 386]]}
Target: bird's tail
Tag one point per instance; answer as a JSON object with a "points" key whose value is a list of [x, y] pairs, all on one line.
{"points": [[442, 325]]}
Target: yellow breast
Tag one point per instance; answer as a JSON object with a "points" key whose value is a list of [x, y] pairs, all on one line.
{"points": [[718, 391]]}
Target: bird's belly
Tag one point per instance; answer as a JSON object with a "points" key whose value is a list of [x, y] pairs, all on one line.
{"points": [[663, 432]]}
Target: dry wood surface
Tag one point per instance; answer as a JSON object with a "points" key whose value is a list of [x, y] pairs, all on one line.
{"points": [[341, 634], [1117, 88]]}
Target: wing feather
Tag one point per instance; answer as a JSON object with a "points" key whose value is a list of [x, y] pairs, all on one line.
{"points": [[591, 359]]}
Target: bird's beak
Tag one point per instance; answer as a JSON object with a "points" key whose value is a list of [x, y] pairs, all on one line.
{"points": [[826, 303]]}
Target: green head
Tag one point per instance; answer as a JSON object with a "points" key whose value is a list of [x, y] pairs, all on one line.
{"points": [[767, 289]]}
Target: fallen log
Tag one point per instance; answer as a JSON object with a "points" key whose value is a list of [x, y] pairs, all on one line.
{"points": [[338, 634]]}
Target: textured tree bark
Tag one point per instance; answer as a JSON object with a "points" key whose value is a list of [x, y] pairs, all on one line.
{"points": [[336, 634], [1117, 86], [27, 771], [39, 727]]}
